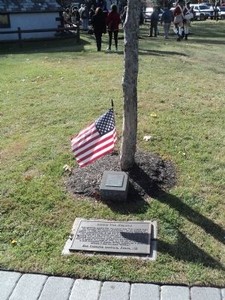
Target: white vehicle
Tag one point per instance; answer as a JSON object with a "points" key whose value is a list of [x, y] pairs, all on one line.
{"points": [[221, 12], [147, 14], [202, 11]]}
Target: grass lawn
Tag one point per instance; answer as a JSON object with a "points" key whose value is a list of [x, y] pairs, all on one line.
{"points": [[51, 90]]}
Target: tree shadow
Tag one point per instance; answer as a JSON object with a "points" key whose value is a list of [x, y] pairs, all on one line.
{"points": [[160, 53], [151, 186], [213, 31], [68, 44], [141, 184], [207, 41], [191, 215], [134, 205], [184, 249]]}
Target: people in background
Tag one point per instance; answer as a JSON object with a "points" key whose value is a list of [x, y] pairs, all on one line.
{"points": [[178, 19], [166, 20], [188, 15], [101, 3], [84, 16], [123, 14], [75, 16], [216, 10], [91, 14], [99, 26], [67, 17], [112, 22], [154, 22]]}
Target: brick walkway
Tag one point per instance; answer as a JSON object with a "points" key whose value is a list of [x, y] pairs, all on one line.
{"points": [[18, 286]]}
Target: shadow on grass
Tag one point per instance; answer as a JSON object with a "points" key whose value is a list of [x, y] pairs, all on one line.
{"points": [[139, 206], [191, 215], [207, 41], [152, 189], [209, 29], [160, 53], [183, 249], [44, 46]]}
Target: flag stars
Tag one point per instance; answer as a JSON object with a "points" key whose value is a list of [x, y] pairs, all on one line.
{"points": [[105, 123]]}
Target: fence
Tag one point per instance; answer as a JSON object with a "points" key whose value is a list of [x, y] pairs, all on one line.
{"points": [[75, 30]]}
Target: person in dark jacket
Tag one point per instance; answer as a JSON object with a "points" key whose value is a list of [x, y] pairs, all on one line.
{"points": [[91, 14], [166, 20], [99, 26], [112, 22], [154, 22]]}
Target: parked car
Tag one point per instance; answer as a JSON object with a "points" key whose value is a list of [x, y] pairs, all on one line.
{"points": [[221, 12], [148, 12], [202, 11]]}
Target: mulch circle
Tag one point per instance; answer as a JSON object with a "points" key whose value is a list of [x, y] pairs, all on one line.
{"points": [[149, 173]]}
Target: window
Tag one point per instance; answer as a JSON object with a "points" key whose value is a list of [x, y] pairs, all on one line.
{"points": [[4, 21]]}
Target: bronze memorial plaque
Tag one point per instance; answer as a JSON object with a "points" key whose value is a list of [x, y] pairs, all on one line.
{"points": [[114, 180], [132, 237]]}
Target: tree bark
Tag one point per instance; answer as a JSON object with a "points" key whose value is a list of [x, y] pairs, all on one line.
{"points": [[129, 84]]}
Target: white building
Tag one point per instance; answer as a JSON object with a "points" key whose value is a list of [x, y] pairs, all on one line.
{"points": [[28, 15]]}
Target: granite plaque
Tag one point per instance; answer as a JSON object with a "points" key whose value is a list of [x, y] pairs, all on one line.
{"points": [[114, 186], [112, 236]]}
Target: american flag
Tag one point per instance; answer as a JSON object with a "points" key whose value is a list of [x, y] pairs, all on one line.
{"points": [[95, 141]]}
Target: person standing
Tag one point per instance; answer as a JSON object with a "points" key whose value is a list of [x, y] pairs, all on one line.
{"points": [[91, 14], [84, 16], [178, 19], [166, 20], [75, 17], [67, 18], [154, 22], [188, 15], [99, 26], [216, 10], [112, 22]]}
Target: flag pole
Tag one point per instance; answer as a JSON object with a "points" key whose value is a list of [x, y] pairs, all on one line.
{"points": [[112, 107], [112, 104]]}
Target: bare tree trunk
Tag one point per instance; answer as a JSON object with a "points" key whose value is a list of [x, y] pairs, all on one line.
{"points": [[129, 135]]}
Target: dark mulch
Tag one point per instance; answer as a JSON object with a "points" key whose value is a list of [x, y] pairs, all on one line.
{"points": [[149, 174]]}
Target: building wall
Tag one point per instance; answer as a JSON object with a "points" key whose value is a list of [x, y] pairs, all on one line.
{"points": [[31, 21]]}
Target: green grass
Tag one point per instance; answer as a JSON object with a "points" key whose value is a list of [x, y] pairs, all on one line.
{"points": [[50, 91]]}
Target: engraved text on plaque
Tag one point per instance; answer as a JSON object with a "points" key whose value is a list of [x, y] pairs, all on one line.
{"points": [[112, 236]]}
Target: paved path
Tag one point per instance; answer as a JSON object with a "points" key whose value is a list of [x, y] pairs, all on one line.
{"points": [[18, 286]]}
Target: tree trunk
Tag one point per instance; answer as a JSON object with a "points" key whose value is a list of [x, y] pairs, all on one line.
{"points": [[129, 83]]}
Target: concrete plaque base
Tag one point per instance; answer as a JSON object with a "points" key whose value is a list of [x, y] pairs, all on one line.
{"points": [[133, 238]]}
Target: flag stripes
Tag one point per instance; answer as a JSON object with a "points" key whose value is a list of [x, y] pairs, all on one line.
{"points": [[95, 141]]}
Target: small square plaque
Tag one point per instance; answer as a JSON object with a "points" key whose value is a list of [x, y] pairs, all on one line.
{"points": [[114, 186], [114, 180]]}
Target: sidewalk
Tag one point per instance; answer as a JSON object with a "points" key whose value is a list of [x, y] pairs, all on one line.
{"points": [[18, 286]]}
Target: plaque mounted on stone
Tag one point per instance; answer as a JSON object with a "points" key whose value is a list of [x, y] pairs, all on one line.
{"points": [[131, 237], [114, 186]]}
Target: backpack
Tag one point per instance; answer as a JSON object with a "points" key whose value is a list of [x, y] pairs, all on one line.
{"points": [[167, 16]]}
